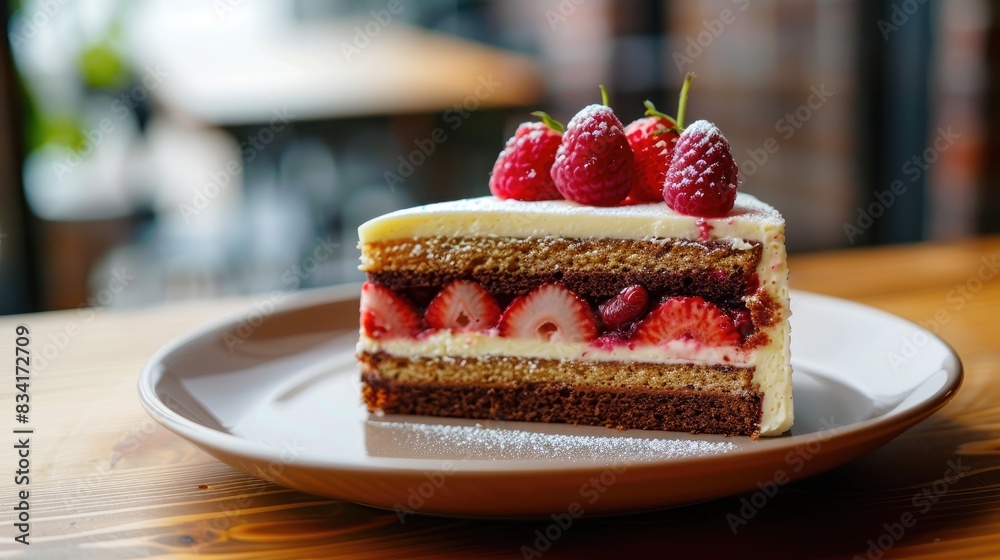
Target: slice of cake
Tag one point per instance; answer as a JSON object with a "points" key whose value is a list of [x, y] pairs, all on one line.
{"points": [[521, 285], [668, 315]]}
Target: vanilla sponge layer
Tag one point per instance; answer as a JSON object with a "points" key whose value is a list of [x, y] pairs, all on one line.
{"points": [[506, 371]]}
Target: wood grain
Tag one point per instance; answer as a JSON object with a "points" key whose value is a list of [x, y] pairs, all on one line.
{"points": [[108, 482]]}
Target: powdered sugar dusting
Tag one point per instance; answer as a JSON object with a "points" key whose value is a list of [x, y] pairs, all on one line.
{"points": [[592, 111], [702, 128], [442, 441]]}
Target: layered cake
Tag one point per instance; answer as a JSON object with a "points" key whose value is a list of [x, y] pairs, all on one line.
{"points": [[569, 295]]}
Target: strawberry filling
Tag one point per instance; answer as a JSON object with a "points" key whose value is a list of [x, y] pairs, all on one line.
{"points": [[553, 313]]}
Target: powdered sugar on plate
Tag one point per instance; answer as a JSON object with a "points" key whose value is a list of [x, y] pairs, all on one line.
{"points": [[449, 441]]}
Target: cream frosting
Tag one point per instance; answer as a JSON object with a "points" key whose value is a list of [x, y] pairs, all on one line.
{"points": [[480, 344], [750, 221]]}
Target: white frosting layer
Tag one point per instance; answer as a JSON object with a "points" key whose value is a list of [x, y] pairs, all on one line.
{"points": [[750, 221], [478, 345]]}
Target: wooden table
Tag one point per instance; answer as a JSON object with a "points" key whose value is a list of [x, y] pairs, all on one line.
{"points": [[108, 482]]}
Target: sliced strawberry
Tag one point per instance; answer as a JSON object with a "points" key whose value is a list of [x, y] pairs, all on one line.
{"points": [[687, 318], [625, 307], [463, 305], [386, 314], [550, 313]]}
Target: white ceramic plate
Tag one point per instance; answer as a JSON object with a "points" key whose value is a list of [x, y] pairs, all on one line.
{"points": [[274, 392]]}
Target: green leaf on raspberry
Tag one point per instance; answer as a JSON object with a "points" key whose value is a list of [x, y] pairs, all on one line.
{"points": [[652, 111], [678, 123], [549, 121]]}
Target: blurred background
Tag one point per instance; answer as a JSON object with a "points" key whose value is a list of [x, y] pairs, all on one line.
{"points": [[158, 150]]}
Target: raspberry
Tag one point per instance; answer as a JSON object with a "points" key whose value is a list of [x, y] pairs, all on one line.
{"points": [[625, 307], [702, 177], [594, 164], [652, 140], [522, 170]]}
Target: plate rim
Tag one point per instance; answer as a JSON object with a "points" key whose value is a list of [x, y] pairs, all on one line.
{"points": [[212, 440]]}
